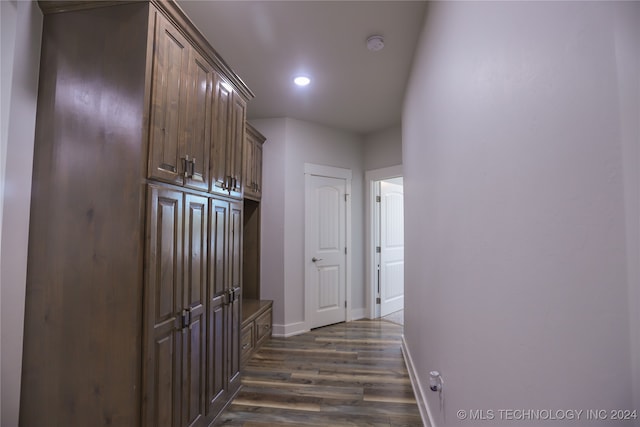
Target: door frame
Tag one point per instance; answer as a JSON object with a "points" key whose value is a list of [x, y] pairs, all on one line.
{"points": [[370, 178], [338, 173]]}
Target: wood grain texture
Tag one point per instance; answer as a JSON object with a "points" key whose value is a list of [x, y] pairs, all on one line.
{"points": [[349, 374], [82, 336], [251, 250]]}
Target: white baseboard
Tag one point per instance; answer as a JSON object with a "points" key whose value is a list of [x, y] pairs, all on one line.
{"points": [[358, 313], [418, 391], [284, 331]]}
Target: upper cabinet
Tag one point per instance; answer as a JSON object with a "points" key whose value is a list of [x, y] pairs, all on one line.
{"points": [[237, 144], [196, 132], [168, 104], [198, 121], [253, 163], [180, 128], [226, 159]]}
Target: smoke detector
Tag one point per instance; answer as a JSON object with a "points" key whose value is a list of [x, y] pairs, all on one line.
{"points": [[375, 43]]}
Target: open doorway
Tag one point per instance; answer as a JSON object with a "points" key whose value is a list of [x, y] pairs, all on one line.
{"points": [[385, 243]]}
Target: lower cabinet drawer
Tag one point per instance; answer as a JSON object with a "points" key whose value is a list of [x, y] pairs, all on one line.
{"points": [[246, 341], [263, 326], [256, 327]]}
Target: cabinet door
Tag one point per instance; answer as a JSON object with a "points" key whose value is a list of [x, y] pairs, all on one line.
{"points": [[234, 317], [198, 122], [218, 247], [236, 144], [217, 379], [235, 246], [248, 165], [163, 309], [235, 285], [257, 162], [216, 357], [220, 175], [194, 335], [169, 98], [253, 163]]}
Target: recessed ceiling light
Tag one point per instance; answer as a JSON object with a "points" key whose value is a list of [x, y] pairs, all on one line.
{"points": [[302, 80]]}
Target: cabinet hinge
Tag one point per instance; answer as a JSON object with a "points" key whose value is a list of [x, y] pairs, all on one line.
{"points": [[345, 250], [378, 300], [378, 199], [345, 197], [378, 249], [345, 304]]}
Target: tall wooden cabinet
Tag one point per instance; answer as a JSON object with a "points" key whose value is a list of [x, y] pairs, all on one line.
{"points": [[256, 313], [175, 352], [134, 281]]}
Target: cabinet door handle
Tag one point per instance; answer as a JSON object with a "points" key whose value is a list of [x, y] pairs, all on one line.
{"points": [[230, 296], [186, 318], [185, 168]]}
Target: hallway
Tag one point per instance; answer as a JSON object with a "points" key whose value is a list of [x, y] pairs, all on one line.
{"points": [[348, 374]]}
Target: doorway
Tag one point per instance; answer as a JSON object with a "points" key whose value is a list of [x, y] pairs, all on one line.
{"points": [[327, 259], [385, 243], [390, 240]]}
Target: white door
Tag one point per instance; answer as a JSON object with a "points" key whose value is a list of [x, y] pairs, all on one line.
{"points": [[391, 247], [325, 262]]}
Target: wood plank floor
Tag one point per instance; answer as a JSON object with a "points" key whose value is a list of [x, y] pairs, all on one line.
{"points": [[349, 374]]}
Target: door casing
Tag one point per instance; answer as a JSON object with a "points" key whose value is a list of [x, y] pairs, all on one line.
{"points": [[371, 275]]}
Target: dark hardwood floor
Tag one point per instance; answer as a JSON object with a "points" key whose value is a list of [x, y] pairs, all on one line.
{"points": [[349, 374]]}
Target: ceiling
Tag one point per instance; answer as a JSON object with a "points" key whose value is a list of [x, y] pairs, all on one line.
{"points": [[267, 43]]}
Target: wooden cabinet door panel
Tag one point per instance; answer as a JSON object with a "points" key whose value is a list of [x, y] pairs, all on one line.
{"points": [[263, 326], [166, 407], [235, 246], [219, 247], [169, 96], [257, 162], [236, 144], [195, 299], [252, 163], [216, 366], [198, 122], [222, 112], [235, 285], [163, 308], [248, 165], [234, 316]]}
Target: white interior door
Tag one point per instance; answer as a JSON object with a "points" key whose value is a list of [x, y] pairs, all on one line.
{"points": [[325, 264], [391, 247]]}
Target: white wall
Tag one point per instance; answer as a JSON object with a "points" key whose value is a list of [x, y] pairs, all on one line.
{"points": [[284, 161], [272, 215], [383, 149], [21, 36], [520, 155]]}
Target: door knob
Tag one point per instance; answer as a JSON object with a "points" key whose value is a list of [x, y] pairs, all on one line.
{"points": [[314, 259]]}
